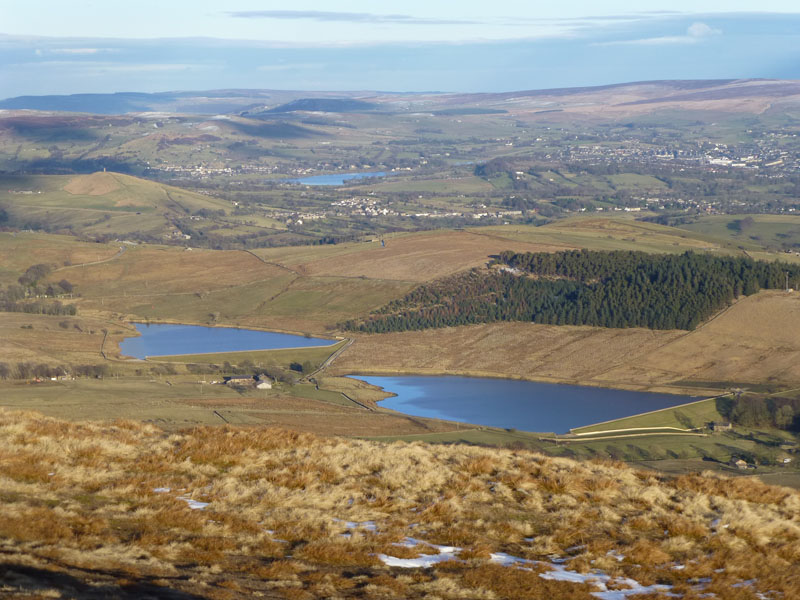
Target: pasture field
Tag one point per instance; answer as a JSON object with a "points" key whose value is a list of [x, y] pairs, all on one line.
{"points": [[612, 233], [181, 400], [18, 251], [751, 231], [57, 340], [446, 185]]}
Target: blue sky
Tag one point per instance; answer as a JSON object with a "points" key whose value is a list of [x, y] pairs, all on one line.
{"points": [[49, 46]]}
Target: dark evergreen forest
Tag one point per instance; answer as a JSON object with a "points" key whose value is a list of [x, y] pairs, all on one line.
{"points": [[581, 287]]}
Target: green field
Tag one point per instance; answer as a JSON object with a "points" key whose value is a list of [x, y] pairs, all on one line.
{"points": [[315, 356], [762, 231]]}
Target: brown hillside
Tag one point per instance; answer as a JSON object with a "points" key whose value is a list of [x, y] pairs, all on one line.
{"points": [[756, 340], [96, 184]]}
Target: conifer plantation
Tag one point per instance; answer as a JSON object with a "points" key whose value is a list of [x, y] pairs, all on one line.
{"points": [[581, 287]]}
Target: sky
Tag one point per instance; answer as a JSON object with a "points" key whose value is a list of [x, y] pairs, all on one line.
{"points": [[82, 46]]}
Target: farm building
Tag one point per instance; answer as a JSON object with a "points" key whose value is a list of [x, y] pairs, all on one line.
{"points": [[239, 380], [721, 426]]}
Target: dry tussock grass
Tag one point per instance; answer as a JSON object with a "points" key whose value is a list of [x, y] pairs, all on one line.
{"points": [[288, 514]]}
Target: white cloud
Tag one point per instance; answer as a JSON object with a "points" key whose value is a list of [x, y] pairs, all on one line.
{"points": [[701, 30], [291, 67], [695, 33], [76, 50]]}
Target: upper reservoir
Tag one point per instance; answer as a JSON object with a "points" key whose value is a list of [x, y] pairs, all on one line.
{"points": [[334, 179], [161, 339], [523, 405]]}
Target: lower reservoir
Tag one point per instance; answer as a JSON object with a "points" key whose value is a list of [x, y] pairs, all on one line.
{"points": [[523, 405], [161, 339]]}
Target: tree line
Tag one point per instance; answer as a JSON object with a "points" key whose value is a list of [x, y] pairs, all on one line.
{"points": [[756, 411], [605, 289], [25, 297]]}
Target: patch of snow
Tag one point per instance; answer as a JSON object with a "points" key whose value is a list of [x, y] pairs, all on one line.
{"points": [[194, 504], [506, 560], [423, 562], [615, 555], [161, 490]]}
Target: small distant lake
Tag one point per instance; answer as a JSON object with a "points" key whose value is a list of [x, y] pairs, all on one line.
{"points": [[161, 339], [335, 179], [507, 403]]}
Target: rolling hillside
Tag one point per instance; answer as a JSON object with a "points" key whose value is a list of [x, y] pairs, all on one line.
{"points": [[106, 205]]}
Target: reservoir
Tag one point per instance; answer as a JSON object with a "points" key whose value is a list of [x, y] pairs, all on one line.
{"points": [[161, 339], [335, 179], [513, 404]]}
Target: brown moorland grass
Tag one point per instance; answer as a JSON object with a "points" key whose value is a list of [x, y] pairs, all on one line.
{"points": [[422, 257], [293, 515]]}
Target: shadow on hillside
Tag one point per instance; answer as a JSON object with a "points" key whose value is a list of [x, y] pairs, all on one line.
{"points": [[22, 581]]}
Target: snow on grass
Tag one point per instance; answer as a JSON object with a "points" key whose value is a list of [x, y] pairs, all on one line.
{"points": [[368, 525], [194, 504], [558, 571], [601, 580]]}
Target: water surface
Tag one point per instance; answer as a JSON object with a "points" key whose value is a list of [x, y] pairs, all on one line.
{"points": [[160, 339], [523, 405], [334, 179]]}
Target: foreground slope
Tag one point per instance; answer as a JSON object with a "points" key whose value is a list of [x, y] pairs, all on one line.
{"points": [[125, 510]]}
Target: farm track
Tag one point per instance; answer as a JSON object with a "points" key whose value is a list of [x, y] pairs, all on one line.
{"points": [[121, 251]]}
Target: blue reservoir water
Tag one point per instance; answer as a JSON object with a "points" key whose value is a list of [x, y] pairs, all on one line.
{"points": [[161, 339], [335, 179], [523, 405]]}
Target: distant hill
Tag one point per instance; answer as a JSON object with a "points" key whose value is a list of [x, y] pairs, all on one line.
{"points": [[196, 102], [748, 95], [339, 105]]}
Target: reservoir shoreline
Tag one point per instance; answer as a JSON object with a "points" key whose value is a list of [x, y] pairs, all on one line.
{"points": [[515, 403]]}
